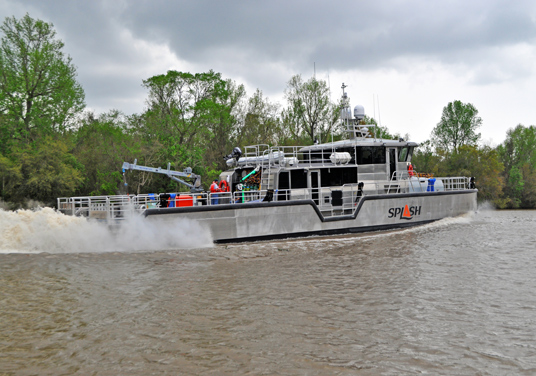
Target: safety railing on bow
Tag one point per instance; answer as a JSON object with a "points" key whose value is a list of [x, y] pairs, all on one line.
{"points": [[415, 182], [119, 207], [100, 207]]}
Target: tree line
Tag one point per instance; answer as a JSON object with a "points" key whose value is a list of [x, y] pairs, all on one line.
{"points": [[50, 146]]}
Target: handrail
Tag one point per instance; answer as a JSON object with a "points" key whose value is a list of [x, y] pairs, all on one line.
{"points": [[116, 207], [267, 156]]}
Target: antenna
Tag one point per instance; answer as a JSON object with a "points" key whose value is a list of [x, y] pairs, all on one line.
{"points": [[343, 108], [379, 114], [374, 112], [314, 70], [329, 88]]}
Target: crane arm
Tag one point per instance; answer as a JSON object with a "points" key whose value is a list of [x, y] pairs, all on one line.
{"points": [[173, 175]]}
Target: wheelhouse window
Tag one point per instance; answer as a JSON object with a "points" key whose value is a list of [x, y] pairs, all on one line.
{"points": [[403, 154], [370, 155], [410, 154]]}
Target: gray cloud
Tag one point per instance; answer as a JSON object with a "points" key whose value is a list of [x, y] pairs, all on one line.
{"points": [[366, 33], [264, 43]]}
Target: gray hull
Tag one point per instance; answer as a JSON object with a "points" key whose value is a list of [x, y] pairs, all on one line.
{"points": [[272, 220]]}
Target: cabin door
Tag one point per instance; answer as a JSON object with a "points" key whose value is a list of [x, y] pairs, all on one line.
{"points": [[315, 185], [391, 160], [283, 191]]}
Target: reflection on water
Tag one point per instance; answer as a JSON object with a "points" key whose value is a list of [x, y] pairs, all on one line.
{"points": [[454, 297]]}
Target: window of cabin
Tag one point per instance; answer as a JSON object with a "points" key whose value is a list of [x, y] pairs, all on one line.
{"points": [[364, 155], [284, 182], [370, 155], [403, 154], [350, 151], [335, 177], [298, 178], [379, 155], [410, 154]]}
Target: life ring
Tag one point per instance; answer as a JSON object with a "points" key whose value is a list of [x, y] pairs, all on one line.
{"points": [[410, 170], [224, 186]]}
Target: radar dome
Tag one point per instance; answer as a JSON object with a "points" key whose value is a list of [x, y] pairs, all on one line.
{"points": [[359, 112]]}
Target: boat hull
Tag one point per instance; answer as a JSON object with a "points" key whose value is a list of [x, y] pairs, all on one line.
{"points": [[275, 220]]}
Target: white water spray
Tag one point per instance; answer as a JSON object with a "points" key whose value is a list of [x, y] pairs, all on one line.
{"points": [[45, 230]]}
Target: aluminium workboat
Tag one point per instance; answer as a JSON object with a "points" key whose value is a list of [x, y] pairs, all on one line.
{"points": [[354, 185]]}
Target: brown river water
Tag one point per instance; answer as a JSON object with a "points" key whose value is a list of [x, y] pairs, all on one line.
{"points": [[456, 297]]}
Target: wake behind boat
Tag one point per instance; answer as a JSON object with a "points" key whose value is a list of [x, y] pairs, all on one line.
{"points": [[355, 185]]}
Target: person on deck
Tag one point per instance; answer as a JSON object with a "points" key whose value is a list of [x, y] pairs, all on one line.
{"points": [[214, 189]]}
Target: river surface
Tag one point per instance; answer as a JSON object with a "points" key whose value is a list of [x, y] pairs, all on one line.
{"points": [[456, 297]]}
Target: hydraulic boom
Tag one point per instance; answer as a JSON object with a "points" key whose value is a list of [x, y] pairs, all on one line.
{"points": [[195, 187]]}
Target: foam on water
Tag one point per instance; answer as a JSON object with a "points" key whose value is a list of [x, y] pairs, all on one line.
{"points": [[45, 230]]}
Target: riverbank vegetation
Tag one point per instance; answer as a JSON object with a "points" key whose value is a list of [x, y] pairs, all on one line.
{"points": [[50, 146]]}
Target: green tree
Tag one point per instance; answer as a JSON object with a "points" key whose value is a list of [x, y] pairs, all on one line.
{"points": [[425, 159], [103, 143], [481, 162], [518, 154], [519, 147], [528, 195], [10, 177], [39, 93], [180, 108], [515, 186], [383, 133], [47, 171], [194, 117], [291, 130], [222, 130], [310, 110], [458, 125], [261, 124]]}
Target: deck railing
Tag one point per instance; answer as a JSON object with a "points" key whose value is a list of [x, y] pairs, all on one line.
{"points": [[265, 155], [330, 200]]}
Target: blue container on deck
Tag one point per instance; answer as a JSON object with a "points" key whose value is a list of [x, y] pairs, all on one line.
{"points": [[431, 183], [171, 200]]}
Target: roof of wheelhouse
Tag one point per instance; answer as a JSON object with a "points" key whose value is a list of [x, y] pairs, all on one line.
{"points": [[358, 142]]}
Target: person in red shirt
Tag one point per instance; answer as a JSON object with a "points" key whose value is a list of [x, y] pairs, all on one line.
{"points": [[214, 189]]}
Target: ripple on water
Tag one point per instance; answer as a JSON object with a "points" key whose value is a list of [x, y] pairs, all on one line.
{"points": [[452, 297]]}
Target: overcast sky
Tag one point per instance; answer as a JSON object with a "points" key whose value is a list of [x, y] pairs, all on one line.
{"points": [[413, 56]]}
